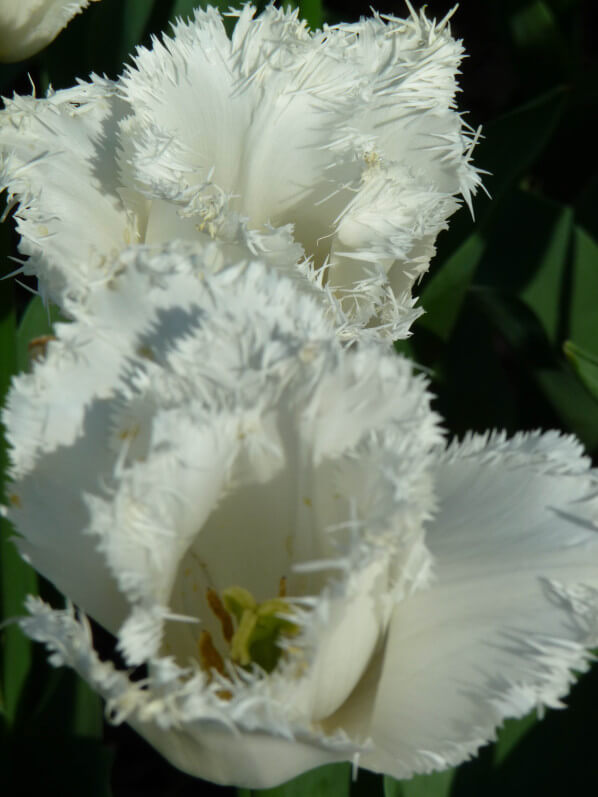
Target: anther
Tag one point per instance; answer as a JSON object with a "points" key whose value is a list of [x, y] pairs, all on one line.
{"points": [[209, 657], [220, 612]]}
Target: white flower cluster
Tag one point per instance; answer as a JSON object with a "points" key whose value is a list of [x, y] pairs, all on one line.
{"points": [[218, 459]]}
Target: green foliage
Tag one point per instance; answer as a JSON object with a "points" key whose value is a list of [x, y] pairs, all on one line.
{"points": [[333, 779], [16, 577], [436, 785], [585, 365]]}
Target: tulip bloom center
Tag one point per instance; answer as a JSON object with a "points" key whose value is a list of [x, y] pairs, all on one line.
{"points": [[253, 636]]}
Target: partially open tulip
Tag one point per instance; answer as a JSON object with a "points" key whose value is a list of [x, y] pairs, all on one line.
{"points": [[272, 525], [346, 142]]}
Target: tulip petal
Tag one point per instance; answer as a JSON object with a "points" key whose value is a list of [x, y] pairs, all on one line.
{"points": [[27, 26], [60, 162], [348, 134], [510, 613]]}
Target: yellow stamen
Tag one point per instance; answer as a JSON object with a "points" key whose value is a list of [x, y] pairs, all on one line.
{"points": [[242, 638], [259, 627]]}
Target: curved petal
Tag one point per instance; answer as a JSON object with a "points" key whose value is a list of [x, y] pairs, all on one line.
{"points": [[59, 161], [385, 236], [48, 508], [27, 26], [226, 115], [348, 134], [408, 96], [184, 722], [254, 760], [511, 612], [72, 404]]}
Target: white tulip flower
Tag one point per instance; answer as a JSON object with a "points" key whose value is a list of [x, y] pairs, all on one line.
{"points": [[27, 26], [272, 524], [343, 143]]}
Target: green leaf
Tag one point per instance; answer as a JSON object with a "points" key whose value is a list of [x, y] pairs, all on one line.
{"points": [[135, 19], [436, 785], [17, 579], [311, 11], [586, 207], [583, 288], [527, 253], [509, 147], [332, 779], [534, 26], [511, 734], [585, 365], [556, 380], [444, 294], [185, 8]]}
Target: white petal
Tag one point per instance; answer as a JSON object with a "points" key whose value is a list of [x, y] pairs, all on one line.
{"points": [[27, 26], [409, 97], [284, 127], [207, 746], [48, 508], [251, 760], [231, 113], [59, 161], [511, 612]]}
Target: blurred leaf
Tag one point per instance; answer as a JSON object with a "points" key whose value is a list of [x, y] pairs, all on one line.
{"points": [[17, 579], [367, 784], [586, 209], [135, 19], [311, 11], [510, 146], [511, 734], [585, 365], [185, 8], [98, 40], [444, 294], [583, 314], [534, 26], [114, 28], [544, 291], [527, 253], [332, 779], [522, 332], [437, 784]]}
